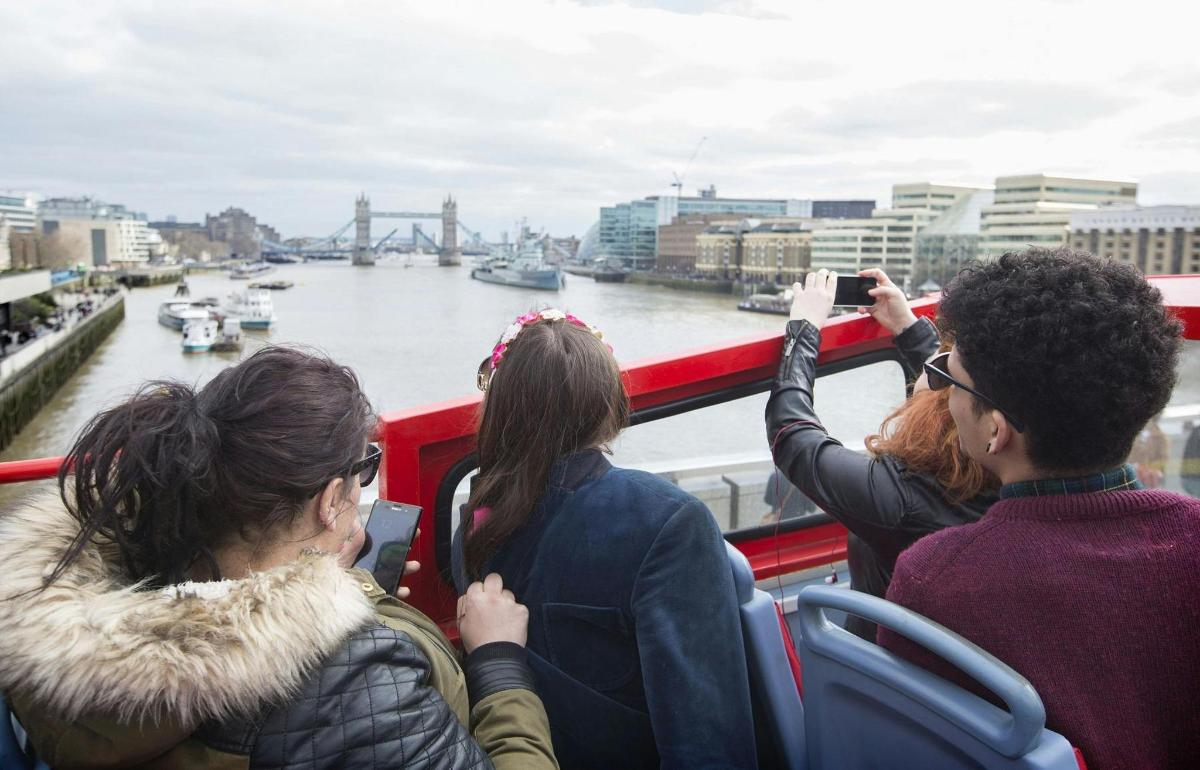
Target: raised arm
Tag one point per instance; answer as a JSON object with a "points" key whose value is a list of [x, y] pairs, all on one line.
{"points": [[916, 340], [867, 495]]}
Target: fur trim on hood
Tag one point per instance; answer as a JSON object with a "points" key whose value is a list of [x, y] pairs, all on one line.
{"points": [[92, 643]]}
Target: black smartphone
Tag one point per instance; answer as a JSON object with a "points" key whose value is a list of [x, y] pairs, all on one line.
{"points": [[390, 531], [852, 291]]}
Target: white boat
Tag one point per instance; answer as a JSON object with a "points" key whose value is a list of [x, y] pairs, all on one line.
{"points": [[252, 270], [230, 340], [253, 307], [176, 314], [199, 335]]}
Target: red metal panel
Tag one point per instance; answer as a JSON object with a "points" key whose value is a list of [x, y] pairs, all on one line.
{"points": [[789, 552]]}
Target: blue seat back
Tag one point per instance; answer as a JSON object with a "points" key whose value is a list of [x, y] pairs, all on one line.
{"points": [[870, 708], [778, 712]]}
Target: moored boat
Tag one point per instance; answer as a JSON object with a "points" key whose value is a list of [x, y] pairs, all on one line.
{"points": [[252, 307], [275, 285], [199, 335], [608, 269], [777, 304], [252, 270], [175, 314], [230, 339]]}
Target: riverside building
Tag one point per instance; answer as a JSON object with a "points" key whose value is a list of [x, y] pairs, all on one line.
{"points": [[240, 231], [887, 238], [629, 231], [92, 232], [20, 210], [1036, 209], [949, 242], [776, 252], [1155, 239]]}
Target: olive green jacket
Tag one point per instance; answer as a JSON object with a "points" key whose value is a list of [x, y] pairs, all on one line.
{"points": [[103, 676]]}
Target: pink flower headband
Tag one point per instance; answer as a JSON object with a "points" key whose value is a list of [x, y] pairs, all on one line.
{"points": [[490, 364]]}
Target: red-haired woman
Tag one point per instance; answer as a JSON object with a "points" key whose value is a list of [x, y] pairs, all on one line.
{"points": [[914, 480]]}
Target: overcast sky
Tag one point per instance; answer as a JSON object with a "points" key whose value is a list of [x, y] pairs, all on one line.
{"points": [[548, 110]]}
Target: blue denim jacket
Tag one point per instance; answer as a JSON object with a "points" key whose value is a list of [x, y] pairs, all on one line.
{"points": [[634, 635]]}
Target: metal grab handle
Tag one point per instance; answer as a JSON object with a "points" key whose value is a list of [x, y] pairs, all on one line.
{"points": [[1012, 734]]}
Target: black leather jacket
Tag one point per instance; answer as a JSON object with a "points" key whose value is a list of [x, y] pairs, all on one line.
{"points": [[885, 506], [369, 706]]}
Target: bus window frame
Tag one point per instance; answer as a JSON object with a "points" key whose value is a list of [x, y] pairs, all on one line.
{"points": [[443, 512]]}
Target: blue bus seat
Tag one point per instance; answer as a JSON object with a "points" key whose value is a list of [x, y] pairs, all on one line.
{"points": [[12, 752], [869, 708], [778, 711]]}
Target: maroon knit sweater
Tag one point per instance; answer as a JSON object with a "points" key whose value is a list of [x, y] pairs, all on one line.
{"points": [[1095, 598]]}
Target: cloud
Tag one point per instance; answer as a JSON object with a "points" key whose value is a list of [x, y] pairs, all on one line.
{"points": [[746, 8], [945, 108], [1175, 135]]}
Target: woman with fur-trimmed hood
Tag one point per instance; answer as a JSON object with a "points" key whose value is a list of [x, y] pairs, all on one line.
{"points": [[186, 601]]}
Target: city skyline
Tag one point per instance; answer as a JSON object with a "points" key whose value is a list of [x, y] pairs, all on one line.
{"points": [[550, 110]]}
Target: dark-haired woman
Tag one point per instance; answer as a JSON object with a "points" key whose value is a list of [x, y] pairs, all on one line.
{"points": [[634, 635], [914, 480], [187, 602]]}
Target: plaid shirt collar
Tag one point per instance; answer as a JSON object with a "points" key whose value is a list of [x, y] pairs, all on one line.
{"points": [[1115, 480]]}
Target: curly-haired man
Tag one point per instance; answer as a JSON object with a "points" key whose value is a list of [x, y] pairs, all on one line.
{"points": [[1080, 579]]}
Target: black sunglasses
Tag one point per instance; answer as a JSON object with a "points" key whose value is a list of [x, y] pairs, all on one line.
{"points": [[937, 371], [367, 467]]}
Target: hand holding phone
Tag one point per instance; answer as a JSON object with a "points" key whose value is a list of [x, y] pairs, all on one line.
{"points": [[812, 298], [391, 528], [854, 291], [890, 306]]}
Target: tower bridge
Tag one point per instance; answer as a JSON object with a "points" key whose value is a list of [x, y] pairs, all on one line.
{"points": [[364, 254], [363, 250]]}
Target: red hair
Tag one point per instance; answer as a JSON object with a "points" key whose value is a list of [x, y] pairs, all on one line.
{"points": [[921, 432]]}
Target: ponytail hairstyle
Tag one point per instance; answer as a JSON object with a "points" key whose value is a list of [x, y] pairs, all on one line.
{"points": [[172, 474], [922, 433], [558, 391]]}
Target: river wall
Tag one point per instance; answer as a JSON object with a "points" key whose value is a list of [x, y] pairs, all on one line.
{"points": [[686, 284], [29, 377]]}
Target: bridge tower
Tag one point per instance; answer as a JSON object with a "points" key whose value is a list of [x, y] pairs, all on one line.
{"points": [[362, 231], [449, 253]]}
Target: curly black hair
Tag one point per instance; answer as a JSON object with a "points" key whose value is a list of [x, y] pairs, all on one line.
{"points": [[1078, 347]]}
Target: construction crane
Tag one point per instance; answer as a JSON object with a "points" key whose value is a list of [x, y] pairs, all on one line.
{"points": [[678, 183]]}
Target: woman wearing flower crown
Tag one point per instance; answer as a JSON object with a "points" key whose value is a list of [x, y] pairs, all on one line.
{"points": [[634, 636]]}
